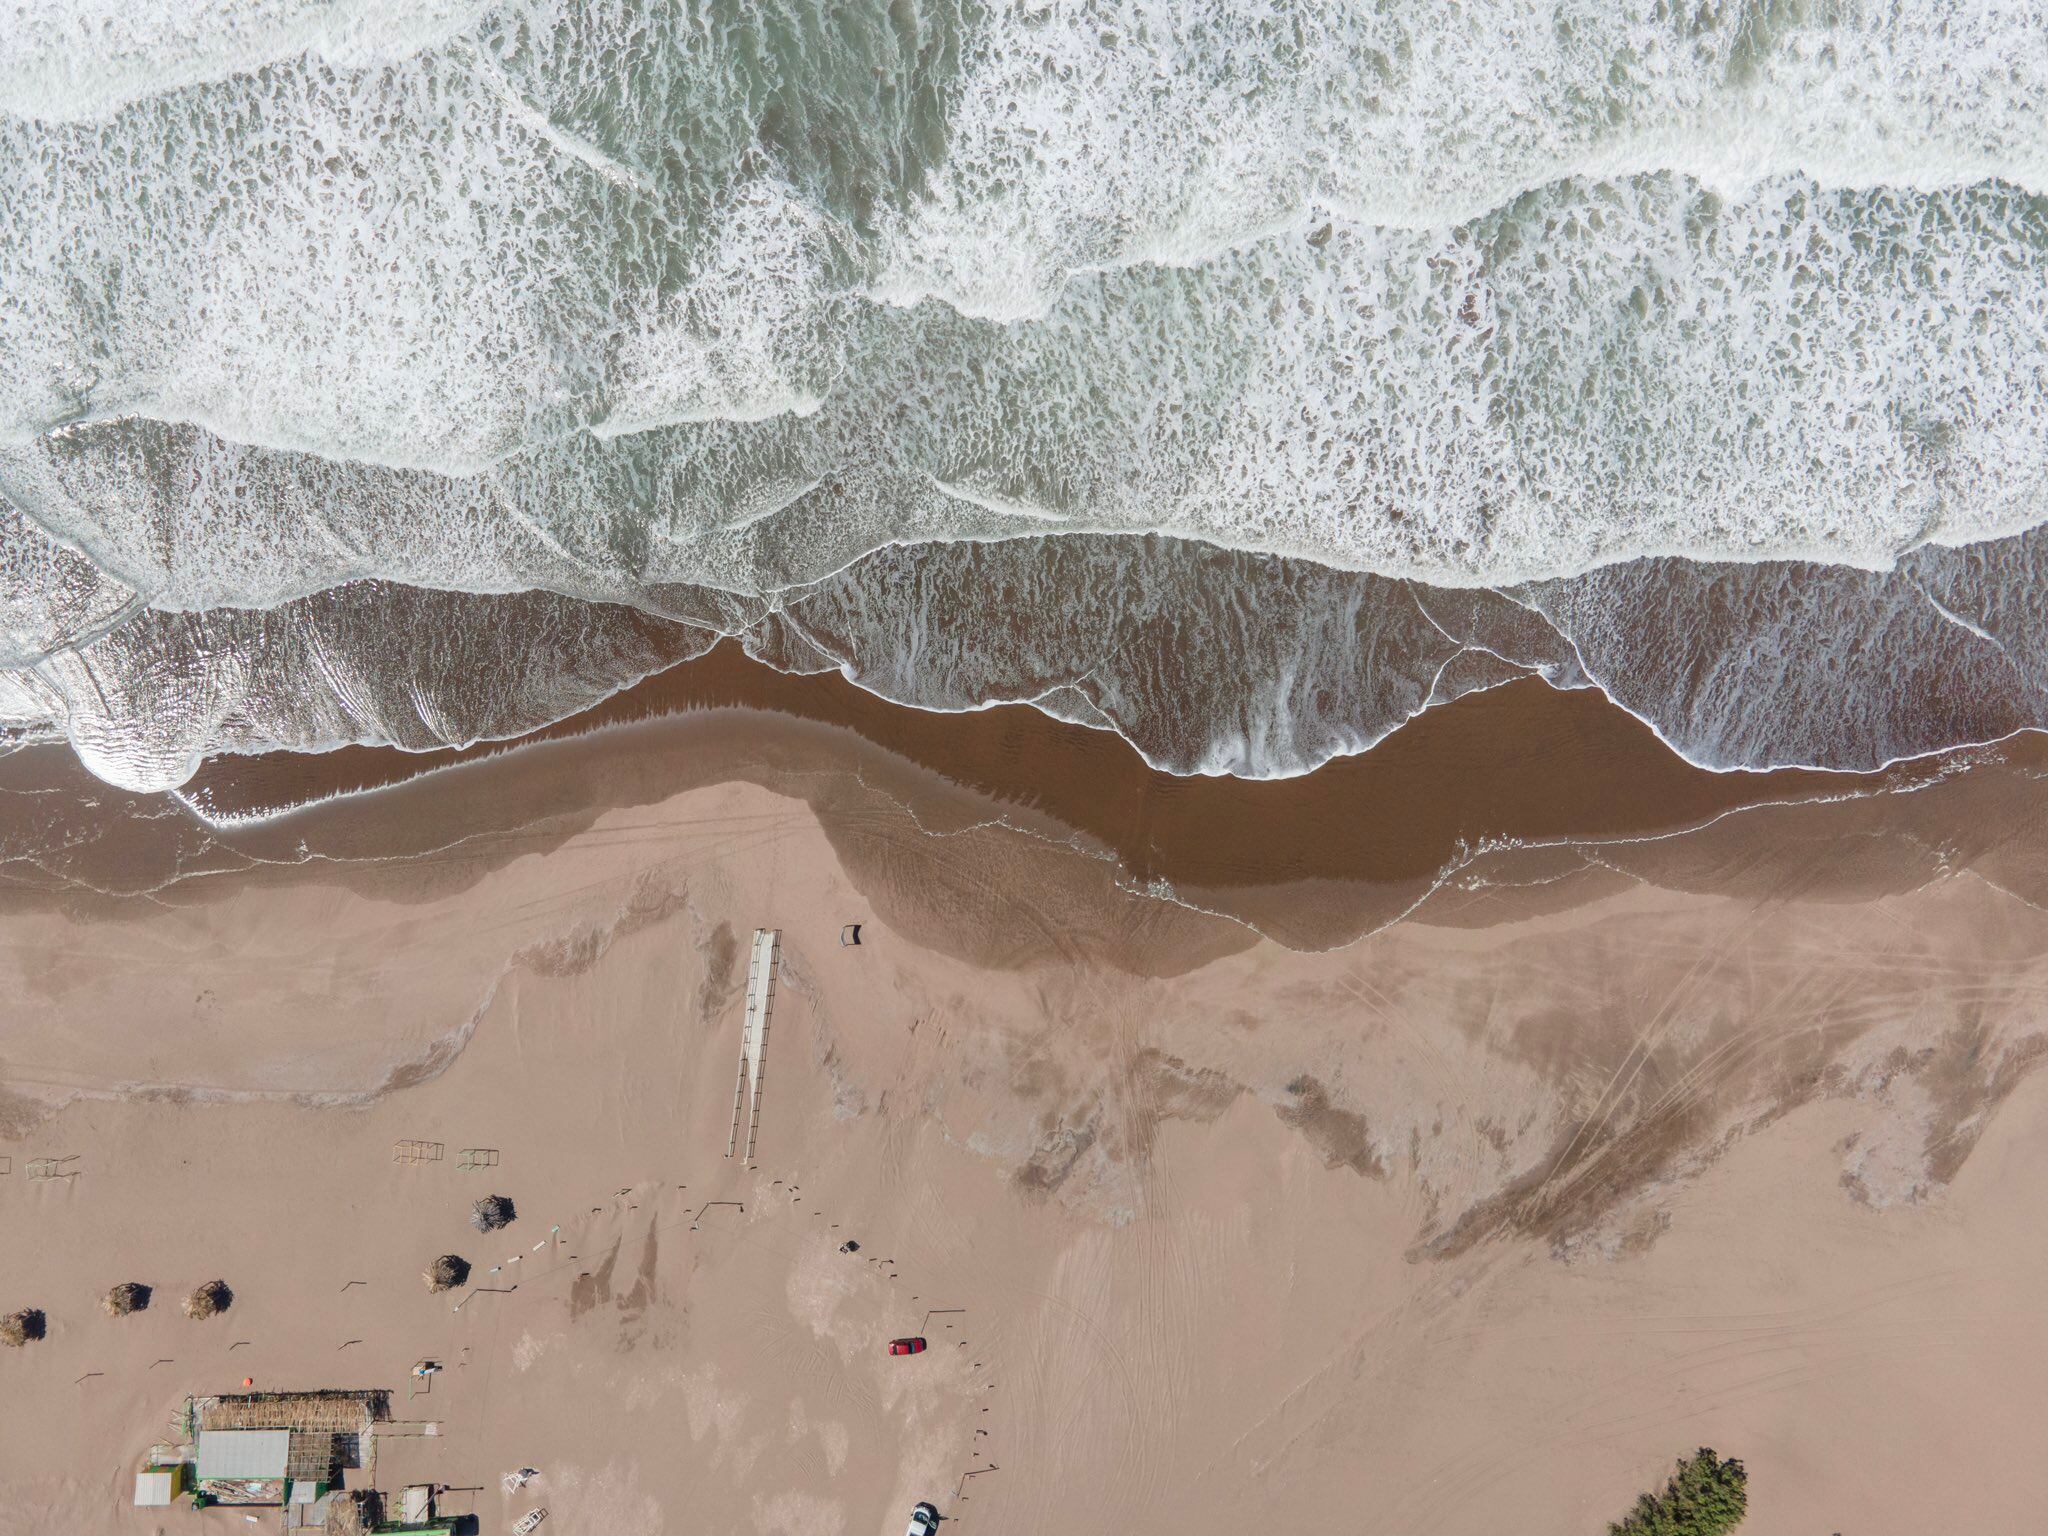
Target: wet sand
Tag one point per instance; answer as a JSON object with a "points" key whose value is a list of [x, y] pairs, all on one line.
{"points": [[1662, 1123], [1313, 861]]}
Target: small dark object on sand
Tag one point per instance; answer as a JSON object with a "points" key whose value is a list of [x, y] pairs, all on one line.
{"points": [[849, 1246], [17, 1328]]}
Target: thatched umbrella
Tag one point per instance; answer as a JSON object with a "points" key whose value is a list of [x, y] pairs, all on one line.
{"points": [[446, 1272], [17, 1328], [129, 1296], [209, 1300], [491, 1213]]}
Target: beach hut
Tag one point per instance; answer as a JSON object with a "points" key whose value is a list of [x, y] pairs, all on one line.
{"points": [[126, 1299], [491, 1213], [209, 1300], [244, 1466], [156, 1487], [446, 1272]]}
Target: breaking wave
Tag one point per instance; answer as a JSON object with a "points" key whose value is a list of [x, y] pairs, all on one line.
{"points": [[1243, 377]]}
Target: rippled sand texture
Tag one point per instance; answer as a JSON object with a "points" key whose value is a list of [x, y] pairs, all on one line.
{"points": [[1611, 1148], [1697, 356]]}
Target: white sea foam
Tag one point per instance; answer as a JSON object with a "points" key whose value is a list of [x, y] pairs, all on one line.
{"points": [[1123, 131], [63, 60], [757, 318], [1601, 372]]}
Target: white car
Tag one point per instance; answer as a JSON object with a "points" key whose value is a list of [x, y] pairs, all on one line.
{"points": [[924, 1520]]}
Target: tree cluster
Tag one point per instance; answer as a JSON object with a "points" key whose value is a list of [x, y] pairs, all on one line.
{"points": [[1705, 1497]]}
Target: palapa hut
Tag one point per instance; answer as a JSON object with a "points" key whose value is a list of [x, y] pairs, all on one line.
{"points": [[209, 1300], [128, 1297], [17, 1328], [491, 1213], [446, 1272]]}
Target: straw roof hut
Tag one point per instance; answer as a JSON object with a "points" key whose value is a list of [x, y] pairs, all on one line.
{"points": [[491, 1213], [446, 1272], [17, 1328], [127, 1297], [209, 1300]]}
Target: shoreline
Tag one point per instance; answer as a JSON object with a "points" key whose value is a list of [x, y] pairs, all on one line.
{"points": [[1502, 788]]}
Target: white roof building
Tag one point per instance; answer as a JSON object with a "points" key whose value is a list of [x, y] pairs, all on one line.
{"points": [[244, 1455], [156, 1486], [244, 1465]]}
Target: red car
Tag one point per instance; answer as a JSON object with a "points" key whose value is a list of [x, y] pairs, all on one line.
{"points": [[906, 1346]]}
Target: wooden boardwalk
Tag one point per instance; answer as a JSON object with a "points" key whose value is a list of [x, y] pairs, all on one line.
{"points": [[746, 1098]]}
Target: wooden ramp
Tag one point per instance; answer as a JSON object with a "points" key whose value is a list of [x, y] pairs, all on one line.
{"points": [[746, 1098]]}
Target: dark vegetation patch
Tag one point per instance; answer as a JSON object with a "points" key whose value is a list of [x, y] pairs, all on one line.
{"points": [[1706, 1496]]}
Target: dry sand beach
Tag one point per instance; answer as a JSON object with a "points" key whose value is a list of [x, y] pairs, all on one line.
{"points": [[1232, 1189]]}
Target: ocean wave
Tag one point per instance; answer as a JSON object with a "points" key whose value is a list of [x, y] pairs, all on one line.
{"points": [[67, 60], [144, 704], [1206, 661], [1596, 375], [1211, 661], [1107, 134], [1387, 354], [612, 217]]}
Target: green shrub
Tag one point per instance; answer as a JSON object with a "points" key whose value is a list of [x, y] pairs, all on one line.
{"points": [[1705, 1497]]}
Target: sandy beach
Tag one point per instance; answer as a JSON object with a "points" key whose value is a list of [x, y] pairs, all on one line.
{"points": [[1229, 1187], [1020, 769]]}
